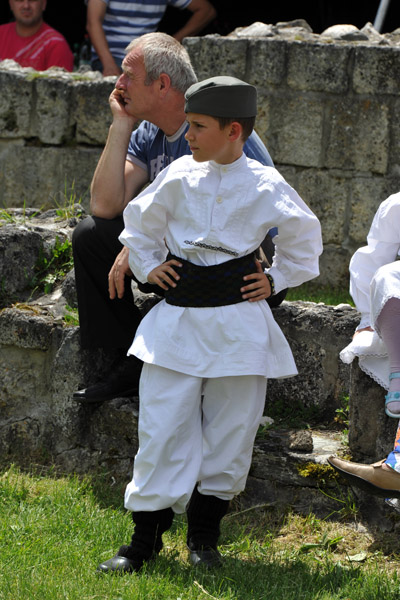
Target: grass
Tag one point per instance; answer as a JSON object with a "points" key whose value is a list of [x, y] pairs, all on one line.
{"points": [[71, 316], [70, 205], [17, 216], [54, 530], [312, 293]]}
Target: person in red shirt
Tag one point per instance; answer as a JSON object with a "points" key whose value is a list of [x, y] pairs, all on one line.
{"points": [[30, 41]]}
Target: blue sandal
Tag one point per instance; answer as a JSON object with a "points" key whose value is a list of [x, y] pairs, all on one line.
{"points": [[392, 397]]}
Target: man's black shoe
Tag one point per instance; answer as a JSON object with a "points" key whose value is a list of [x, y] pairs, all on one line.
{"points": [[122, 382]]}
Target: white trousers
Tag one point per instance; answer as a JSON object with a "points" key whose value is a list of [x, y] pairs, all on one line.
{"points": [[184, 438]]}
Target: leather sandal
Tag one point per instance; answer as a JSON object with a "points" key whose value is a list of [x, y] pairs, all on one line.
{"points": [[392, 397]]}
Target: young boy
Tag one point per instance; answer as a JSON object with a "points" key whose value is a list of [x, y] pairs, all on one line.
{"points": [[210, 345]]}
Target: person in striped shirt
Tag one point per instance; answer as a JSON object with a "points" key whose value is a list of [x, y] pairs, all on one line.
{"points": [[30, 41], [113, 24]]}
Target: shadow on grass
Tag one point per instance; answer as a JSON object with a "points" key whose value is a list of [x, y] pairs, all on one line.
{"points": [[271, 578]]}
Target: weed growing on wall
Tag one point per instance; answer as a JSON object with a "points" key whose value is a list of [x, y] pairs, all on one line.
{"points": [[71, 317], [51, 267], [342, 417], [70, 205]]}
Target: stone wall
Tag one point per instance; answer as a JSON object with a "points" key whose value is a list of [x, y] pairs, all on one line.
{"points": [[53, 126], [329, 110]]}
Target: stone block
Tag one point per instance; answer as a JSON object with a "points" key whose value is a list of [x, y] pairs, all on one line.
{"points": [[318, 67], [371, 432], [25, 243], [376, 70], [10, 154], [302, 499], [31, 381], [358, 137], [19, 251], [31, 176], [26, 330], [334, 267], [42, 176], [316, 334], [295, 130], [15, 104], [291, 175], [75, 172], [394, 164], [91, 114], [266, 64], [263, 120], [215, 55], [326, 193], [53, 102], [391, 185], [41, 364], [366, 195]]}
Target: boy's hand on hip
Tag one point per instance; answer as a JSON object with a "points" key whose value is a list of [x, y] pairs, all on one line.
{"points": [[164, 275], [260, 289]]}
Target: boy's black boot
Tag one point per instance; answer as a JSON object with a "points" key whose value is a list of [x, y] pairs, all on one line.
{"points": [[145, 544], [204, 515]]}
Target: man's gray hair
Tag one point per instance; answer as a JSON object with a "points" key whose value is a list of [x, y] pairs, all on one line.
{"points": [[164, 54]]}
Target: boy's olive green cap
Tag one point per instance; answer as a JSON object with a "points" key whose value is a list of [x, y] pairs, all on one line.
{"points": [[222, 97]]}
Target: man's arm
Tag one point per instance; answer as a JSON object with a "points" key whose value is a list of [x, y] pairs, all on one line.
{"points": [[96, 11], [203, 12], [116, 181]]}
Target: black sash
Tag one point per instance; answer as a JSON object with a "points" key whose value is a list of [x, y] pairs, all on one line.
{"points": [[217, 285]]}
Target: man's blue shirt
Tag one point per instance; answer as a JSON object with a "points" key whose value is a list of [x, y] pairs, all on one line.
{"points": [[152, 150]]}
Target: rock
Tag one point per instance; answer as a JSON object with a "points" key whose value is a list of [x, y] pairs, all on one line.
{"points": [[255, 30], [294, 24], [297, 29], [27, 240], [144, 302], [344, 32], [316, 333], [373, 35], [69, 289], [300, 441], [19, 251]]}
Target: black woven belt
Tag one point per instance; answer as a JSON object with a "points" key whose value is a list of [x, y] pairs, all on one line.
{"points": [[217, 285]]}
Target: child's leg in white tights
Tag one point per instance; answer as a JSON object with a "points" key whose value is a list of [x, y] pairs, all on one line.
{"points": [[388, 324]]}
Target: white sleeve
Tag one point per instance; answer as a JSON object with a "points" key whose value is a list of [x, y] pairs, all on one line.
{"points": [[145, 220], [298, 244], [383, 243]]}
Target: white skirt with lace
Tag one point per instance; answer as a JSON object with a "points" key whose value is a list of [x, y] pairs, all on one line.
{"points": [[367, 346]]}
